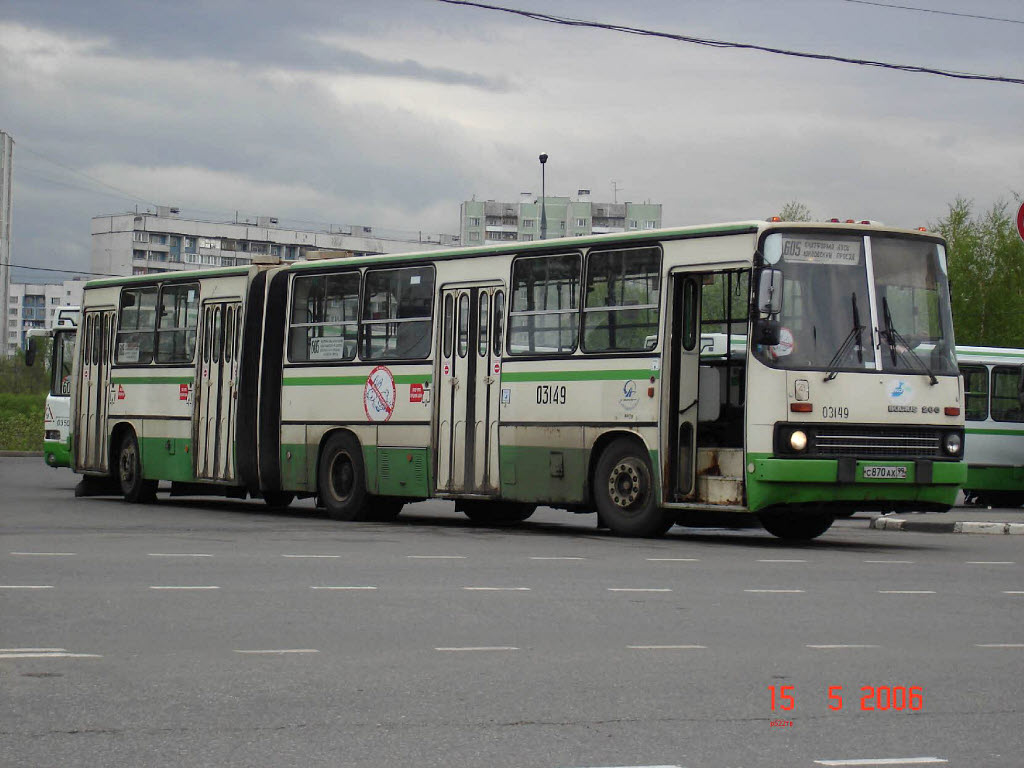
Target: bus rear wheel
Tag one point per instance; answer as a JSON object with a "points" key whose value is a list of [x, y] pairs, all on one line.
{"points": [[341, 478], [135, 488], [624, 492], [797, 528], [495, 512], [278, 499]]}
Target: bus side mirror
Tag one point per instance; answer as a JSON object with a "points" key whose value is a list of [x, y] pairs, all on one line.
{"points": [[767, 332], [769, 292], [30, 351]]}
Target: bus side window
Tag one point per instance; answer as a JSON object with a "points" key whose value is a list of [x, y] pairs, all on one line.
{"points": [[463, 324], [449, 322], [499, 321], [620, 311], [975, 391], [545, 303], [398, 309], [136, 326], [482, 346], [1006, 394]]}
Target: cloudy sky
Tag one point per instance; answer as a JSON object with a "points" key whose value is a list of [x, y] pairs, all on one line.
{"points": [[391, 112]]}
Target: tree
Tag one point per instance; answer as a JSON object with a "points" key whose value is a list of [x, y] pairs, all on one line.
{"points": [[986, 274], [795, 211]]}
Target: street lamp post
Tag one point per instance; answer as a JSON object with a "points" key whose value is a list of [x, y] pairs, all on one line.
{"points": [[543, 208]]}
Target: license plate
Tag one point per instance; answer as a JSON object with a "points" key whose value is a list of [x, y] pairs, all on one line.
{"points": [[885, 473]]}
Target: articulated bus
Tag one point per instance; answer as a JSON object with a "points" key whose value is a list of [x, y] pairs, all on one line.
{"points": [[994, 392], [777, 373], [57, 411]]}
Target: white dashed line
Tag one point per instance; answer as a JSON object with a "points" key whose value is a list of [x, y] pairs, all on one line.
{"points": [[436, 557], [26, 586], [852, 645], [481, 648], [344, 588], [999, 645], [178, 554], [906, 591], [1012, 592], [776, 591], [47, 655], [782, 561], [558, 558], [666, 647], [991, 562], [497, 589], [673, 559], [43, 554], [639, 589], [280, 651], [185, 587], [313, 557], [884, 761]]}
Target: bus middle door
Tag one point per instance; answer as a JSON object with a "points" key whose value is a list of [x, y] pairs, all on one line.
{"points": [[97, 350], [682, 364], [469, 366], [215, 391]]}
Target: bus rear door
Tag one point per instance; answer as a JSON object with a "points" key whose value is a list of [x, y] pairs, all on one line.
{"points": [[216, 390]]}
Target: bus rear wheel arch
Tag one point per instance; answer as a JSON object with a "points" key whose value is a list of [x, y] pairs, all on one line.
{"points": [[127, 468], [624, 491]]}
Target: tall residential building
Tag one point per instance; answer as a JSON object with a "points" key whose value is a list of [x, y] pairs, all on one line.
{"points": [[143, 243], [488, 221], [6, 156], [34, 305]]}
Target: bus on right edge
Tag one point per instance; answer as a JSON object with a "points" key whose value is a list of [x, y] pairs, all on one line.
{"points": [[994, 392]]}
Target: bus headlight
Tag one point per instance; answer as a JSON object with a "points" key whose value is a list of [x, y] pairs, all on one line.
{"points": [[798, 440], [952, 444]]}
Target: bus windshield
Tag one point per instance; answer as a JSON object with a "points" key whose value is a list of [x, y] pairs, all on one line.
{"points": [[831, 319]]}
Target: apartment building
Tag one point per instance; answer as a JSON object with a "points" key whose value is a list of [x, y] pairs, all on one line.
{"points": [[34, 305]]}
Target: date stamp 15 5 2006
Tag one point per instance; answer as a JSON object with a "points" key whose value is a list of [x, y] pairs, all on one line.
{"points": [[872, 698]]}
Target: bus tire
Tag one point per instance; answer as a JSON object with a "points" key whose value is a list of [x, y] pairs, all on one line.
{"points": [[797, 528], [341, 478], [624, 492], [278, 499], [382, 509], [496, 512], [135, 488]]}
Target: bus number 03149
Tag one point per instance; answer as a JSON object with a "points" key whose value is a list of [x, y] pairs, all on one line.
{"points": [[550, 394]]}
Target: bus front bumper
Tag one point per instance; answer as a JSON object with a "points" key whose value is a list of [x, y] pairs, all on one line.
{"points": [[56, 453]]}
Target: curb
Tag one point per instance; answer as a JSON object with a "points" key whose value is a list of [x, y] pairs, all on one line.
{"points": [[886, 523], [20, 454]]}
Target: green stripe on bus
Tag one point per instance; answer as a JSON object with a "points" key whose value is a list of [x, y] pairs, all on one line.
{"points": [[1011, 432], [151, 379], [328, 381], [606, 375]]}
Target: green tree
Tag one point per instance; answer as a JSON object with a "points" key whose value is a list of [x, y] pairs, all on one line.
{"points": [[795, 211], [986, 274]]}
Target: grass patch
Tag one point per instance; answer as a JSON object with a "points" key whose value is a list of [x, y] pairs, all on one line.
{"points": [[21, 422]]}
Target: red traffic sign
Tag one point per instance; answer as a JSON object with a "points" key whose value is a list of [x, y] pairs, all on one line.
{"points": [[1020, 221]]}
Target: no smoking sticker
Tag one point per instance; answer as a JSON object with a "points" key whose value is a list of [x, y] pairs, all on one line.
{"points": [[379, 394]]}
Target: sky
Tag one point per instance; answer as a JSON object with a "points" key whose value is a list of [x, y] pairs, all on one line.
{"points": [[390, 113]]}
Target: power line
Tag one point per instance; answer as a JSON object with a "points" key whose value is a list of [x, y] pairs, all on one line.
{"points": [[65, 271], [93, 179], [932, 10], [725, 44]]}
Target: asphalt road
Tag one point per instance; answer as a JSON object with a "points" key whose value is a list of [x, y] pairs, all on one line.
{"points": [[218, 633]]}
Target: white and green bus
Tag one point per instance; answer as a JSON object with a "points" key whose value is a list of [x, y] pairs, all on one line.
{"points": [[57, 410], [994, 392], [753, 371]]}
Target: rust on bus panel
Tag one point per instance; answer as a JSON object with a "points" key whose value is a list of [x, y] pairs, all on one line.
{"points": [[720, 475]]}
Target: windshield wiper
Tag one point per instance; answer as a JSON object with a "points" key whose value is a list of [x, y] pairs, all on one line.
{"points": [[893, 338], [853, 338]]}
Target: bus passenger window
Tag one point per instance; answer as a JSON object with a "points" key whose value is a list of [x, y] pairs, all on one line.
{"points": [[544, 316], [1007, 394], [499, 321], [449, 322], [463, 324], [324, 318], [482, 346], [136, 327], [975, 391], [398, 306], [620, 312], [177, 323]]}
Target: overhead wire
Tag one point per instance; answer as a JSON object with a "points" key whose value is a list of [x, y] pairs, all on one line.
{"points": [[935, 11], [569, 22]]}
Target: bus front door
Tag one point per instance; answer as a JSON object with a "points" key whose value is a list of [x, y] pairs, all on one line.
{"points": [[216, 390], [94, 391], [682, 364], [468, 376]]}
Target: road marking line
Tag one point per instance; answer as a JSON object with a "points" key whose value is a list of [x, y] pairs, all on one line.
{"points": [[184, 587], [281, 651], [481, 648], [827, 647], [885, 761], [673, 559], [665, 647], [558, 558], [33, 650], [999, 645], [49, 655], [44, 554], [1014, 592], [26, 586], [991, 562], [436, 557], [314, 557], [906, 591], [776, 591], [891, 562], [343, 588], [497, 589], [782, 561], [178, 554], [639, 589]]}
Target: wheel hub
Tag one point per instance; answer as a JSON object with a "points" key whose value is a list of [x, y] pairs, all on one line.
{"points": [[625, 485]]}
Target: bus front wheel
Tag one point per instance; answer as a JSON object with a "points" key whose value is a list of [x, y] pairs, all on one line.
{"points": [[624, 492], [135, 488], [341, 479], [798, 528]]}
